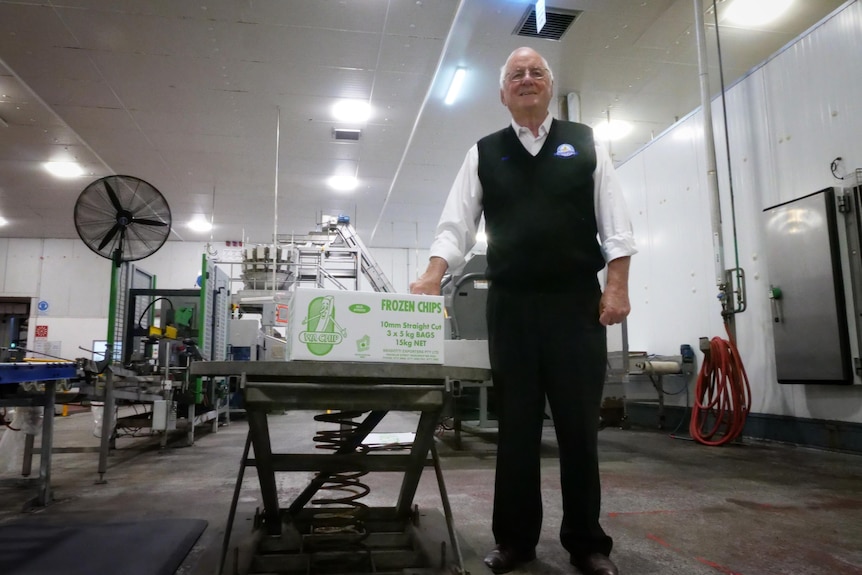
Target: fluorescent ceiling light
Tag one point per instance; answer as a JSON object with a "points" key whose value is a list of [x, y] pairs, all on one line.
{"points": [[351, 111], [613, 130], [455, 86], [3, 221], [64, 169], [756, 12], [343, 183], [200, 225]]}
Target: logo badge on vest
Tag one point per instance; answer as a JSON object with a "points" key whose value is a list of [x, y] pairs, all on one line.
{"points": [[565, 151]]}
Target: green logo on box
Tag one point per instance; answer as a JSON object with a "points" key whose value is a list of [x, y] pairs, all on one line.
{"points": [[359, 308], [363, 343], [323, 331]]}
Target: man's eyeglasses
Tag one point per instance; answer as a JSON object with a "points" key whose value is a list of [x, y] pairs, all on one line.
{"points": [[519, 74]]}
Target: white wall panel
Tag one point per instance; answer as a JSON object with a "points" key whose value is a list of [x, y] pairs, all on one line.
{"points": [[73, 334], [176, 265], [23, 267], [91, 289], [57, 267], [4, 249], [786, 122]]}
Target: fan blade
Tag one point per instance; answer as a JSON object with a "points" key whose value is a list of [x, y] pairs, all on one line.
{"points": [[111, 233], [113, 195], [147, 222]]}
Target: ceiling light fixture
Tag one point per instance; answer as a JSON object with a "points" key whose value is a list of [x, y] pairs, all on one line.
{"points": [[64, 169], [200, 224], [3, 221], [348, 134], [342, 183], [756, 12], [455, 86], [612, 130], [351, 111]]}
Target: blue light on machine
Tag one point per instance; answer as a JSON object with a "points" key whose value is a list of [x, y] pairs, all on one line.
{"points": [[455, 86]]}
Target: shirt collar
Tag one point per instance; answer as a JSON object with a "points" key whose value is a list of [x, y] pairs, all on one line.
{"points": [[543, 129]]}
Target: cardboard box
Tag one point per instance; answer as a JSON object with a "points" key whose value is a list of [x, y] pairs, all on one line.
{"points": [[332, 325]]}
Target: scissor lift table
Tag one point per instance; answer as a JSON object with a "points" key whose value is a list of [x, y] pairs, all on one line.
{"points": [[295, 539]]}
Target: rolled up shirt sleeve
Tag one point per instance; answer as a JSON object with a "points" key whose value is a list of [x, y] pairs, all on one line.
{"points": [[612, 217], [459, 221]]}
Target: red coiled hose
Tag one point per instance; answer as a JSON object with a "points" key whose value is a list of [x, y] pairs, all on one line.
{"points": [[722, 398]]}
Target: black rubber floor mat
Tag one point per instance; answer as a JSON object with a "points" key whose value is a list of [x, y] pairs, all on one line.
{"points": [[48, 547]]}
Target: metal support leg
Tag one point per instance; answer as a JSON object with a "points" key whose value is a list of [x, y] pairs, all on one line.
{"points": [[258, 428], [447, 509], [483, 406], [107, 425], [27, 466], [44, 496], [660, 388], [233, 504], [190, 436], [418, 455]]}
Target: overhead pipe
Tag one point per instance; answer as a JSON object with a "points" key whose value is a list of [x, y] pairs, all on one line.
{"points": [[709, 139]]}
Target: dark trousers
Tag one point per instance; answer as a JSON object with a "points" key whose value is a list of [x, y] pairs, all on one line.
{"points": [[547, 345]]}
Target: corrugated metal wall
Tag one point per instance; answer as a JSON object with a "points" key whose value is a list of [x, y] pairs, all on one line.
{"points": [[787, 121]]}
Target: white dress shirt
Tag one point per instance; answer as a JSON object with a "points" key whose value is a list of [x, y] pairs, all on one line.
{"points": [[456, 230]]}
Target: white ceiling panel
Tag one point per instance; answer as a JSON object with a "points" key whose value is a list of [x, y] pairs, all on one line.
{"points": [[189, 95]]}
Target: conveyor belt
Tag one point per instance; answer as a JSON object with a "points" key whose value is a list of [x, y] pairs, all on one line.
{"points": [[49, 373], [20, 372]]}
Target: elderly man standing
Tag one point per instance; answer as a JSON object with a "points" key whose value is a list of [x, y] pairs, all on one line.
{"points": [[554, 216]]}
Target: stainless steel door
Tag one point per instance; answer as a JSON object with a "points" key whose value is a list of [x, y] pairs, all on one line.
{"points": [[807, 291]]}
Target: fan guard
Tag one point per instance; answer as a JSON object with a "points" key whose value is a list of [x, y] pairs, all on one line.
{"points": [[122, 218]]}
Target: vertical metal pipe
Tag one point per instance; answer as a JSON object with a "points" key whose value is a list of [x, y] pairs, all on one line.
{"points": [[275, 204], [709, 140]]}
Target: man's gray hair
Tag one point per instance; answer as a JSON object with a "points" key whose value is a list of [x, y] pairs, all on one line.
{"points": [[503, 69]]}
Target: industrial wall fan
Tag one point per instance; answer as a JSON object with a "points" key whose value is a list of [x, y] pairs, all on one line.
{"points": [[123, 219]]}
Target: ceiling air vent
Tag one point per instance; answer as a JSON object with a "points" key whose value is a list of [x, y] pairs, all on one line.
{"points": [[345, 134], [557, 22]]}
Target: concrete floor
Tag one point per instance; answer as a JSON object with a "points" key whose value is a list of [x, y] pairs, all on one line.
{"points": [[673, 507]]}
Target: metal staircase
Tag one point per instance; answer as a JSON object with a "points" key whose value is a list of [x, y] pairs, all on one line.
{"points": [[368, 265]]}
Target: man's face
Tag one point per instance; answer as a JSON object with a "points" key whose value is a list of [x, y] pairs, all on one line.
{"points": [[527, 84]]}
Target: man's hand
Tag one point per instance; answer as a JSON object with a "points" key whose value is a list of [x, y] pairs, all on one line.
{"points": [[429, 282], [615, 306], [425, 286]]}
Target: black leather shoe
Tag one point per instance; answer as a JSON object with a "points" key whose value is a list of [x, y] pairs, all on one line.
{"points": [[503, 559], [595, 564]]}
